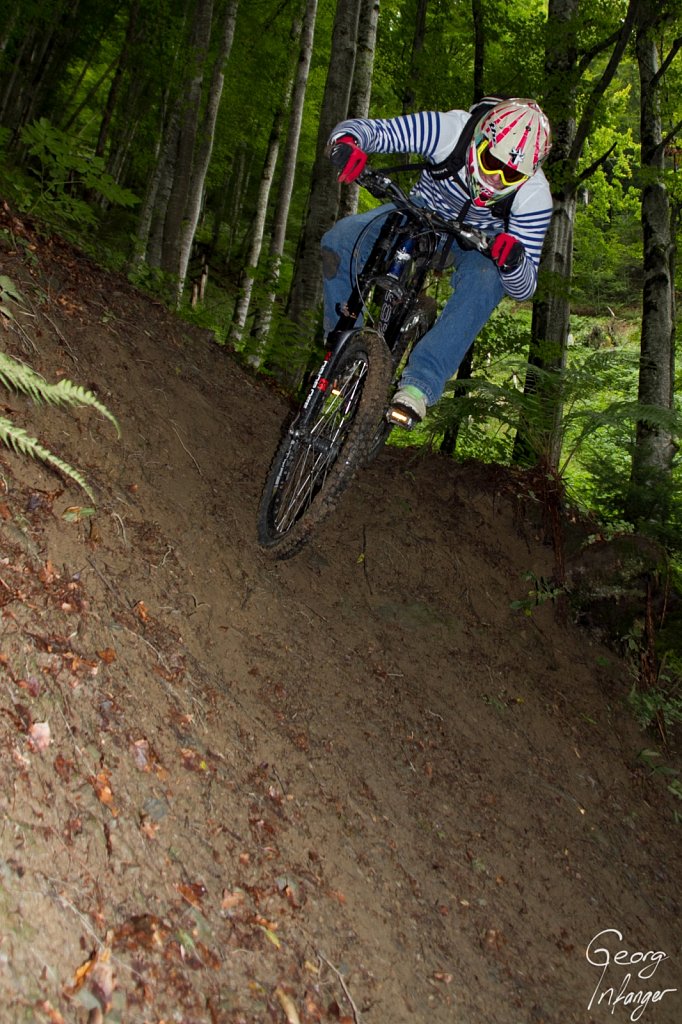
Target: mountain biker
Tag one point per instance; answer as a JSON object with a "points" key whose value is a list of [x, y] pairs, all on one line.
{"points": [[483, 167]]}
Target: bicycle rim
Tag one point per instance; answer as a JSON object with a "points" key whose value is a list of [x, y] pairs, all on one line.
{"points": [[324, 447]]}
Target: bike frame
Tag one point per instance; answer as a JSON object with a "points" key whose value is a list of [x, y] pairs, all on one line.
{"points": [[431, 236], [343, 422]]}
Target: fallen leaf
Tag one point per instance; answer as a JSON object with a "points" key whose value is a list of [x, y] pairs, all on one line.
{"points": [[107, 655], [193, 892], [39, 736], [141, 757], [101, 785], [140, 610], [101, 981], [274, 939], [150, 828], [75, 513], [142, 930], [287, 1004], [233, 899], [193, 761]]}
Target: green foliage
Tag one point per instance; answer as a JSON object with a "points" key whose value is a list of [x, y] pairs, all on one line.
{"points": [[655, 705], [17, 376], [598, 396], [541, 591], [66, 174], [650, 759]]}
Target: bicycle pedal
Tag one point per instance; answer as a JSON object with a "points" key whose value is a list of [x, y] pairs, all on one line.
{"points": [[400, 416]]}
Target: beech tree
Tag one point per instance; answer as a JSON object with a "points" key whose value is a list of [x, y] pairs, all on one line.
{"points": [[652, 460], [417, 52], [189, 162], [323, 198], [565, 66], [241, 309], [286, 183], [361, 87]]}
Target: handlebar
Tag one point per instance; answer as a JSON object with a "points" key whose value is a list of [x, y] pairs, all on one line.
{"points": [[382, 187]]}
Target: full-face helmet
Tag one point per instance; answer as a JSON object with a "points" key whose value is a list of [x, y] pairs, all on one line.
{"points": [[509, 144]]}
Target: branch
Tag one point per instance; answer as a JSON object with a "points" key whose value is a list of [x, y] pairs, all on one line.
{"points": [[589, 171], [598, 48], [666, 63], [664, 142], [602, 83]]}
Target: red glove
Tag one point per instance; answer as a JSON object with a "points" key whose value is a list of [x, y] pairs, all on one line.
{"points": [[507, 251], [348, 157]]}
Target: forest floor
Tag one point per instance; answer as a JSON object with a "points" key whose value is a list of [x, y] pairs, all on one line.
{"points": [[358, 785]]}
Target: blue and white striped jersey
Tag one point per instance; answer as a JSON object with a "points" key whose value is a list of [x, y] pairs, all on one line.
{"points": [[433, 136]]}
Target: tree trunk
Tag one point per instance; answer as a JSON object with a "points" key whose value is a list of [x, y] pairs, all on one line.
{"points": [[65, 119], [361, 89], [451, 432], [41, 57], [539, 436], [47, 69], [286, 184], [246, 283], [477, 10], [152, 216], [115, 88], [651, 476], [323, 199], [237, 188], [410, 94], [202, 157], [189, 106]]}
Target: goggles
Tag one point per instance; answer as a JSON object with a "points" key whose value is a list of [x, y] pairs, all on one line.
{"points": [[490, 165]]}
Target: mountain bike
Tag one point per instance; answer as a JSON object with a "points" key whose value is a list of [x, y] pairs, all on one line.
{"points": [[346, 416]]}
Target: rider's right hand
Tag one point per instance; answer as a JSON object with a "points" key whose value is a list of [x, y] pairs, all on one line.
{"points": [[346, 155]]}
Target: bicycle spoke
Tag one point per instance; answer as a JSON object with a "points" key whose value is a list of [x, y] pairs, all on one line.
{"points": [[315, 452]]}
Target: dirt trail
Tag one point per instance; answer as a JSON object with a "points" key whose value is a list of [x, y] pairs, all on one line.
{"points": [[355, 786]]}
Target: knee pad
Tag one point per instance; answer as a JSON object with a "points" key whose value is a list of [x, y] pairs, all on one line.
{"points": [[330, 262]]}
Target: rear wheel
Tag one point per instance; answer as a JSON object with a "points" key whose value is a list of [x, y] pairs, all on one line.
{"points": [[326, 445]]}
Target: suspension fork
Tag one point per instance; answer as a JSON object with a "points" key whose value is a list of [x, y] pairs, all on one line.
{"points": [[355, 302]]}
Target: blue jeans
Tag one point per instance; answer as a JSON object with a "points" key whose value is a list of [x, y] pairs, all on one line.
{"points": [[477, 291]]}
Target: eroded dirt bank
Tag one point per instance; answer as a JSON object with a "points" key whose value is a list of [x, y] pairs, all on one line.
{"points": [[353, 786]]}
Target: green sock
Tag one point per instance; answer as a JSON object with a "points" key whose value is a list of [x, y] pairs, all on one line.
{"points": [[413, 391]]}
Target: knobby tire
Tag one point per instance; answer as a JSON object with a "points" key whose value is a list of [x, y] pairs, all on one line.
{"points": [[421, 320], [326, 446]]}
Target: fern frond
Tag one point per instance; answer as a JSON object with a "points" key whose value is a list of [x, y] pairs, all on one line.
{"points": [[68, 393], [22, 443], [20, 377]]}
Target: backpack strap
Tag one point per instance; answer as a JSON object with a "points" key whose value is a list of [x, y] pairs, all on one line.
{"points": [[455, 161]]}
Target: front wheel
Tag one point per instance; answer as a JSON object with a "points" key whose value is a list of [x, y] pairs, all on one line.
{"points": [[420, 320], [326, 444]]}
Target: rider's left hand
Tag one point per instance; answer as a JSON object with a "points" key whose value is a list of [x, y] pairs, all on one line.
{"points": [[507, 251]]}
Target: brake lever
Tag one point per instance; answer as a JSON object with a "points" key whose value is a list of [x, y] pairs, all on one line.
{"points": [[381, 186], [475, 238]]}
